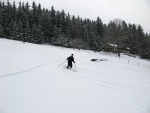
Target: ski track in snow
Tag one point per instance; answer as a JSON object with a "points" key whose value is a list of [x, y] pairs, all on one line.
{"points": [[20, 72], [111, 83], [116, 92], [127, 100]]}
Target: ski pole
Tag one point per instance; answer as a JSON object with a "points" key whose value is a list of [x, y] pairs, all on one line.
{"points": [[75, 68], [62, 63], [75, 65]]}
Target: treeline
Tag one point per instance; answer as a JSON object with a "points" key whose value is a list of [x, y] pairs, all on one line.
{"points": [[36, 25]]}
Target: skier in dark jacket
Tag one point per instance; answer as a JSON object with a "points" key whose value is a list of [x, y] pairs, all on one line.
{"points": [[70, 60]]}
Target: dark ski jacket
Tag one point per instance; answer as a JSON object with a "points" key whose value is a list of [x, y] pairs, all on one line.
{"points": [[70, 59]]}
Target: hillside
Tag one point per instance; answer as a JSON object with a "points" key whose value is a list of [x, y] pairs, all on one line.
{"points": [[32, 82]]}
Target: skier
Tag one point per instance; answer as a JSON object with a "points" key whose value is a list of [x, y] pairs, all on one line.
{"points": [[70, 60]]}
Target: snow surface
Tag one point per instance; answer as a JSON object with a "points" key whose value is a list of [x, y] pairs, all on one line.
{"points": [[32, 82]]}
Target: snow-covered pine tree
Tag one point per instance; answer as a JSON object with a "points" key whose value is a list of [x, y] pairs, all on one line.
{"points": [[1, 31], [27, 33]]}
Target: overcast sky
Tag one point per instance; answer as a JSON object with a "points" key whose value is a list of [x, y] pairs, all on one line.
{"points": [[132, 11]]}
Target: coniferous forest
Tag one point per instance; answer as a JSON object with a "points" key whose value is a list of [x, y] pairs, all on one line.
{"points": [[39, 25]]}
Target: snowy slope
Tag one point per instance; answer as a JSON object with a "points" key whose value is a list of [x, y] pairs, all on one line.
{"points": [[32, 82]]}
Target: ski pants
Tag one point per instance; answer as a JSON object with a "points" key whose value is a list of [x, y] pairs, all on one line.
{"points": [[69, 64]]}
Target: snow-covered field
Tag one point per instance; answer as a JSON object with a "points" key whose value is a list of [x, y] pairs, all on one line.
{"points": [[32, 82]]}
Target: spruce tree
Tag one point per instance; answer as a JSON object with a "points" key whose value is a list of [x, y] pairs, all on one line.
{"points": [[1, 25], [63, 24], [1, 31], [20, 35], [99, 32], [14, 11], [27, 35], [39, 35], [45, 22], [99, 28], [142, 46], [125, 33], [133, 40]]}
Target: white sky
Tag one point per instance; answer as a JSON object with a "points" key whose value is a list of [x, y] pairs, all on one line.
{"points": [[132, 11]]}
